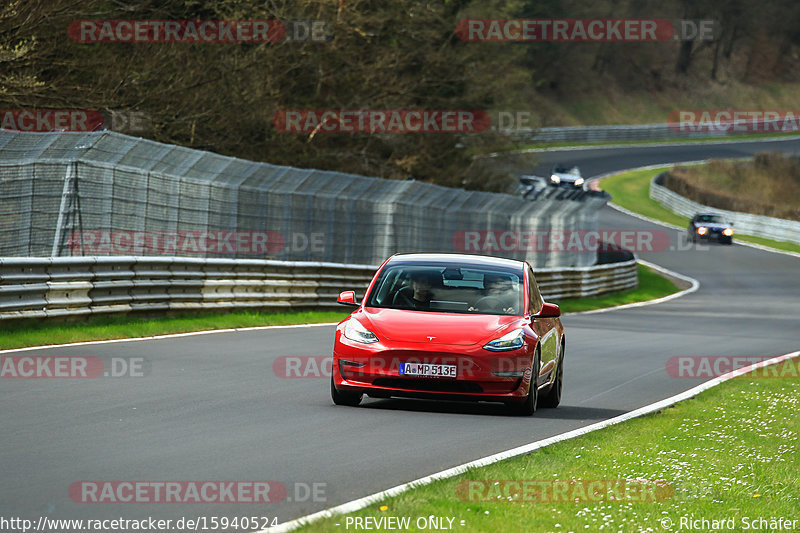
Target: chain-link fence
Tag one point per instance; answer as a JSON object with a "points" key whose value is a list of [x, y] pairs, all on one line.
{"points": [[104, 193]]}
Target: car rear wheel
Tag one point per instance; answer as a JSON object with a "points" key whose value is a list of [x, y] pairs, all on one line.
{"points": [[553, 397], [344, 397], [528, 407]]}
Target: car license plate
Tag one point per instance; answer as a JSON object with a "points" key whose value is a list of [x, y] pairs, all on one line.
{"points": [[427, 370]]}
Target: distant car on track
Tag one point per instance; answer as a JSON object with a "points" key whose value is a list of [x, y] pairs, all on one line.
{"points": [[451, 326], [566, 176], [710, 226]]}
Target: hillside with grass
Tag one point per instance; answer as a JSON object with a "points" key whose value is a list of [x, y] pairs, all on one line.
{"points": [[768, 185]]}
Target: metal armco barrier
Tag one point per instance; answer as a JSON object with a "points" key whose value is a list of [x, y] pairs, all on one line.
{"points": [[636, 132], [66, 286], [761, 226]]}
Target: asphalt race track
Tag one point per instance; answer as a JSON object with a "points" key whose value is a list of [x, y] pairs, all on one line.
{"points": [[211, 408]]}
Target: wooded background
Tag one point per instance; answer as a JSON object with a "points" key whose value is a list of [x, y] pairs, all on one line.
{"points": [[383, 54]]}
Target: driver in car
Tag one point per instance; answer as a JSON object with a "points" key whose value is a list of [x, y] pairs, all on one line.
{"points": [[499, 294], [418, 296]]}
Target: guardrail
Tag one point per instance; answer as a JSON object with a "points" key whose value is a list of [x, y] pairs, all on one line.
{"points": [[640, 132], [761, 226], [75, 286]]}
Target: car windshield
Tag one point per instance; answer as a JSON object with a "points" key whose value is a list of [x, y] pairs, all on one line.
{"points": [[711, 219], [560, 169], [449, 289]]}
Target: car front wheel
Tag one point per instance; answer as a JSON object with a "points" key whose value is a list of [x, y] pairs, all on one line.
{"points": [[553, 397], [528, 407], [344, 397]]}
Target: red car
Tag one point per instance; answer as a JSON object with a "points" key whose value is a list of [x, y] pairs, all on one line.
{"points": [[451, 326]]}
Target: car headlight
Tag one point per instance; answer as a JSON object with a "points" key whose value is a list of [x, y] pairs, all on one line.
{"points": [[355, 331], [702, 230], [510, 341], [555, 179], [727, 232], [579, 181]]}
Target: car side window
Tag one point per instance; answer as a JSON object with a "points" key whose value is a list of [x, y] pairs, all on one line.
{"points": [[533, 292]]}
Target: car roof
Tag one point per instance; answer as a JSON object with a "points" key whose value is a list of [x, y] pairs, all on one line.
{"points": [[456, 260]]}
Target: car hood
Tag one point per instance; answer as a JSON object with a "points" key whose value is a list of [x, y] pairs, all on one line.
{"points": [[446, 328], [711, 226]]}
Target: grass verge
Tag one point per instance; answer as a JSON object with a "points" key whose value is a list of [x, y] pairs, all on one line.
{"points": [[39, 332], [28, 333], [728, 454], [652, 285], [631, 190]]}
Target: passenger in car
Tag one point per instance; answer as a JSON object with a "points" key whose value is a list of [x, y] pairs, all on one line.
{"points": [[499, 294]]}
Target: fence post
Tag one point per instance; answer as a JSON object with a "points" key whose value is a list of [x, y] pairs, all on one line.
{"points": [[66, 193]]}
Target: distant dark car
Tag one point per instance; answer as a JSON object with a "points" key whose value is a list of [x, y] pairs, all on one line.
{"points": [[710, 226], [566, 176]]}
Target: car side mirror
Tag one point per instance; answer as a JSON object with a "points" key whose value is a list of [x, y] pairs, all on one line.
{"points": [[347, 298], [548, 311]]}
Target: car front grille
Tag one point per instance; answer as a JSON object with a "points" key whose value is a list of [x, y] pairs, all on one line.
{"points": [[428, 385]]}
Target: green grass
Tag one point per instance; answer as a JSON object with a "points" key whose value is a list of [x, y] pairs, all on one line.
{"points": [[652, 285], [780, 245], [730, 452], [631, 190], [38, 333]]}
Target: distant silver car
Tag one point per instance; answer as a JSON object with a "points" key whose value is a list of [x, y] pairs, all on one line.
{"points": [[566, 176]]}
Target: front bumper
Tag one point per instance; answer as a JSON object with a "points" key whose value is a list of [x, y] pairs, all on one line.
{"points": [[373, 369], [713, 235], [566, 185]]}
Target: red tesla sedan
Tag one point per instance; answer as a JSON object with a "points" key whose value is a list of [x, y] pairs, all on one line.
{"points": [[451, 326]]}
